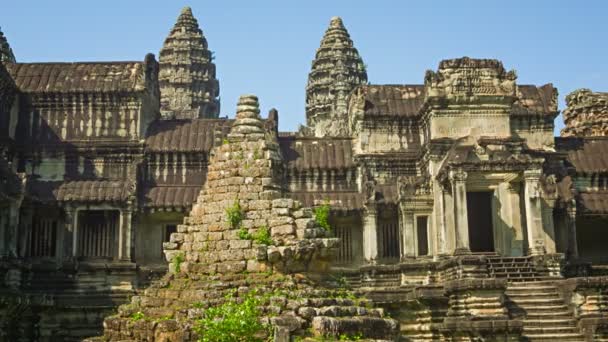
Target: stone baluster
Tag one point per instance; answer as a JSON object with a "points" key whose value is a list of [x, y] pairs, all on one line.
{"points": [[458, 178]]}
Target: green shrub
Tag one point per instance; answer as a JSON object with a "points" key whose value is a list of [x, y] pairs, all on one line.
{"points": [[244, 234], [234, 214], [234, 321], [262, 236], [136, 316], [322, 216], [177, 262]]}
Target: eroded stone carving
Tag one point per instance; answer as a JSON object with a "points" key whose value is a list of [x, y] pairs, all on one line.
{"points": [[188, 85], [336, 71]]}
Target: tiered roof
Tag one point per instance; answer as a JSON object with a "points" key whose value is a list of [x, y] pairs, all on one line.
{"points": [[336, 71], [188, 85], [6, 53]]}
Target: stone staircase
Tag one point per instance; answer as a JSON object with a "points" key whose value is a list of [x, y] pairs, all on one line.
{"points": [[544, 314], [514, 269], [332, 316]]}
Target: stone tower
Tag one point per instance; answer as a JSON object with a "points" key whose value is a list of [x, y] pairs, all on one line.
{"points": [[586, 114], [336, 71], [188, 85], [6, 53]]}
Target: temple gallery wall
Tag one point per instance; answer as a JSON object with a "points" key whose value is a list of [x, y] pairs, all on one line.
{"points": [[453, 212]]}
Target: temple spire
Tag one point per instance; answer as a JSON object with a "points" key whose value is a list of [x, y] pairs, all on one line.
{"points": [[336, 71], [188, 85], [6, 53]]}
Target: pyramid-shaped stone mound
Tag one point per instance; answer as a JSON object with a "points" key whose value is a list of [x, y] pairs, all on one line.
{"points": [[244, 239]]}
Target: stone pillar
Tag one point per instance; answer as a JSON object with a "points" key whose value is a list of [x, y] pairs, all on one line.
{"points": [[532, 201], [124, 240], [409, 234], [68, 233], [75, 232], [370, 234], [458, 179], [13, 224], [3, 231], [549, 225], [438, 239], [572, 251], [25, 228]]}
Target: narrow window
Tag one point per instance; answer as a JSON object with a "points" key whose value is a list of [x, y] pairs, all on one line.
{"points": [[422, 233]]}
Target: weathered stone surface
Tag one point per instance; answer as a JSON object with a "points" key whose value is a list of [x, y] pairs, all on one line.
{"points": [[586, 114], [188, 85], [336, 71]]}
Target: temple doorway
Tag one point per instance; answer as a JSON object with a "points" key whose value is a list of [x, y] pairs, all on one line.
{"points": [[479, 209], [591, 237]]}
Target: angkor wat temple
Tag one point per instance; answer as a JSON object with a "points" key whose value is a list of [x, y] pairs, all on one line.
{"points": [[455, 213]]}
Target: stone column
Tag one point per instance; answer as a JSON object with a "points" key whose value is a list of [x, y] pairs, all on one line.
{"points": [[532, 201], [3, 231], [124, 240], [440, 238], [13, 224], [68, 233], [548, 225], [75, 232], [572, 251], [370, 234], [409, 234], [25, 228], [458, 179]]}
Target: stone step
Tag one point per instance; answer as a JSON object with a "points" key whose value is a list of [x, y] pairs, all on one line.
{"points": [[544, 308], [550, 322], [524, 295], [534, 302], [548, 314], [369, 327], [346, 311], [555, 337], [550, 329]]}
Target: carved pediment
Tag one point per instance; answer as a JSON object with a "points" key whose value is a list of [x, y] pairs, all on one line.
{"points": [[467, 79]]}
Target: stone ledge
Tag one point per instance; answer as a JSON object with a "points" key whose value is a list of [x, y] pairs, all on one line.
{"points": [[474, 284]]}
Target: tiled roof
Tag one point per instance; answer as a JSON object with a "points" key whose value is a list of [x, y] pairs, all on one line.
{"points": [[321, 153], [536, 100], [587, 155], [81, 191], [338, 200], [197, 135], [171, 196], [78, 77], [395, 100]]}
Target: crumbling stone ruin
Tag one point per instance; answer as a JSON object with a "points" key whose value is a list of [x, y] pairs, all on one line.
{"points": [[441, 211]]}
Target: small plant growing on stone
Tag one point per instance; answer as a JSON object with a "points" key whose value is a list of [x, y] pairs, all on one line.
{"points": [[225, 141], [262, 236], [234, 321], [244, 234], [234, 214], [256, 153], [322, 216], [136, 316], [178, 259]]}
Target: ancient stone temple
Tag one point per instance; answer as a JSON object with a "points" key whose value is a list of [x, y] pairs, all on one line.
{"points": [[439, 211], [188, 86], [336, 70]]}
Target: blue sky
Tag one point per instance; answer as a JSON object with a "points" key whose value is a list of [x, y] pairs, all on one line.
{"points": [[266, 47]]}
